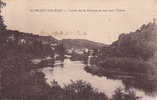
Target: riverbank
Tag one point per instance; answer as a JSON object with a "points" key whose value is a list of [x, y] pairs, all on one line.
{"points": [[129, 80], [113, 73]]}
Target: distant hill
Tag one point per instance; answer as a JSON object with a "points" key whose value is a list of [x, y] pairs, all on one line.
{"points": [[81, 43], [31, 37], [48, 39], [14, 42]]}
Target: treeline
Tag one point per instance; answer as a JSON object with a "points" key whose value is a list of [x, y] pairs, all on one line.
{"points": [[24, 43], [132, 59], [36, 89], [80, 90], [133, 53]]}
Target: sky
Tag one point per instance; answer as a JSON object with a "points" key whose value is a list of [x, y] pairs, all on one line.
{"points": [[100, 26]]}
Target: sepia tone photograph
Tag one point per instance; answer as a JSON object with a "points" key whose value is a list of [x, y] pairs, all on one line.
{"points": [[78, 49]]}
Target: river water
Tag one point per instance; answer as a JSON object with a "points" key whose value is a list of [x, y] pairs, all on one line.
{"points": [[74, 70]]}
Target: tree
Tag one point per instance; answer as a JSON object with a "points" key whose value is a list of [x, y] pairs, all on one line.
{"points": [[120, 94], [2, 25], [20, 82]]}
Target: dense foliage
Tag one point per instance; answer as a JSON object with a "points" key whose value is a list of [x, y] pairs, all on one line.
{"points": [[134, 52]]}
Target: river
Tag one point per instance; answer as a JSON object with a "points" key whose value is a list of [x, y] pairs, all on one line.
{"points": [[74, 70]]}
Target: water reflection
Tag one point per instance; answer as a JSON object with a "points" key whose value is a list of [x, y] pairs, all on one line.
{"points": [[74, 70], [148, 86]]}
